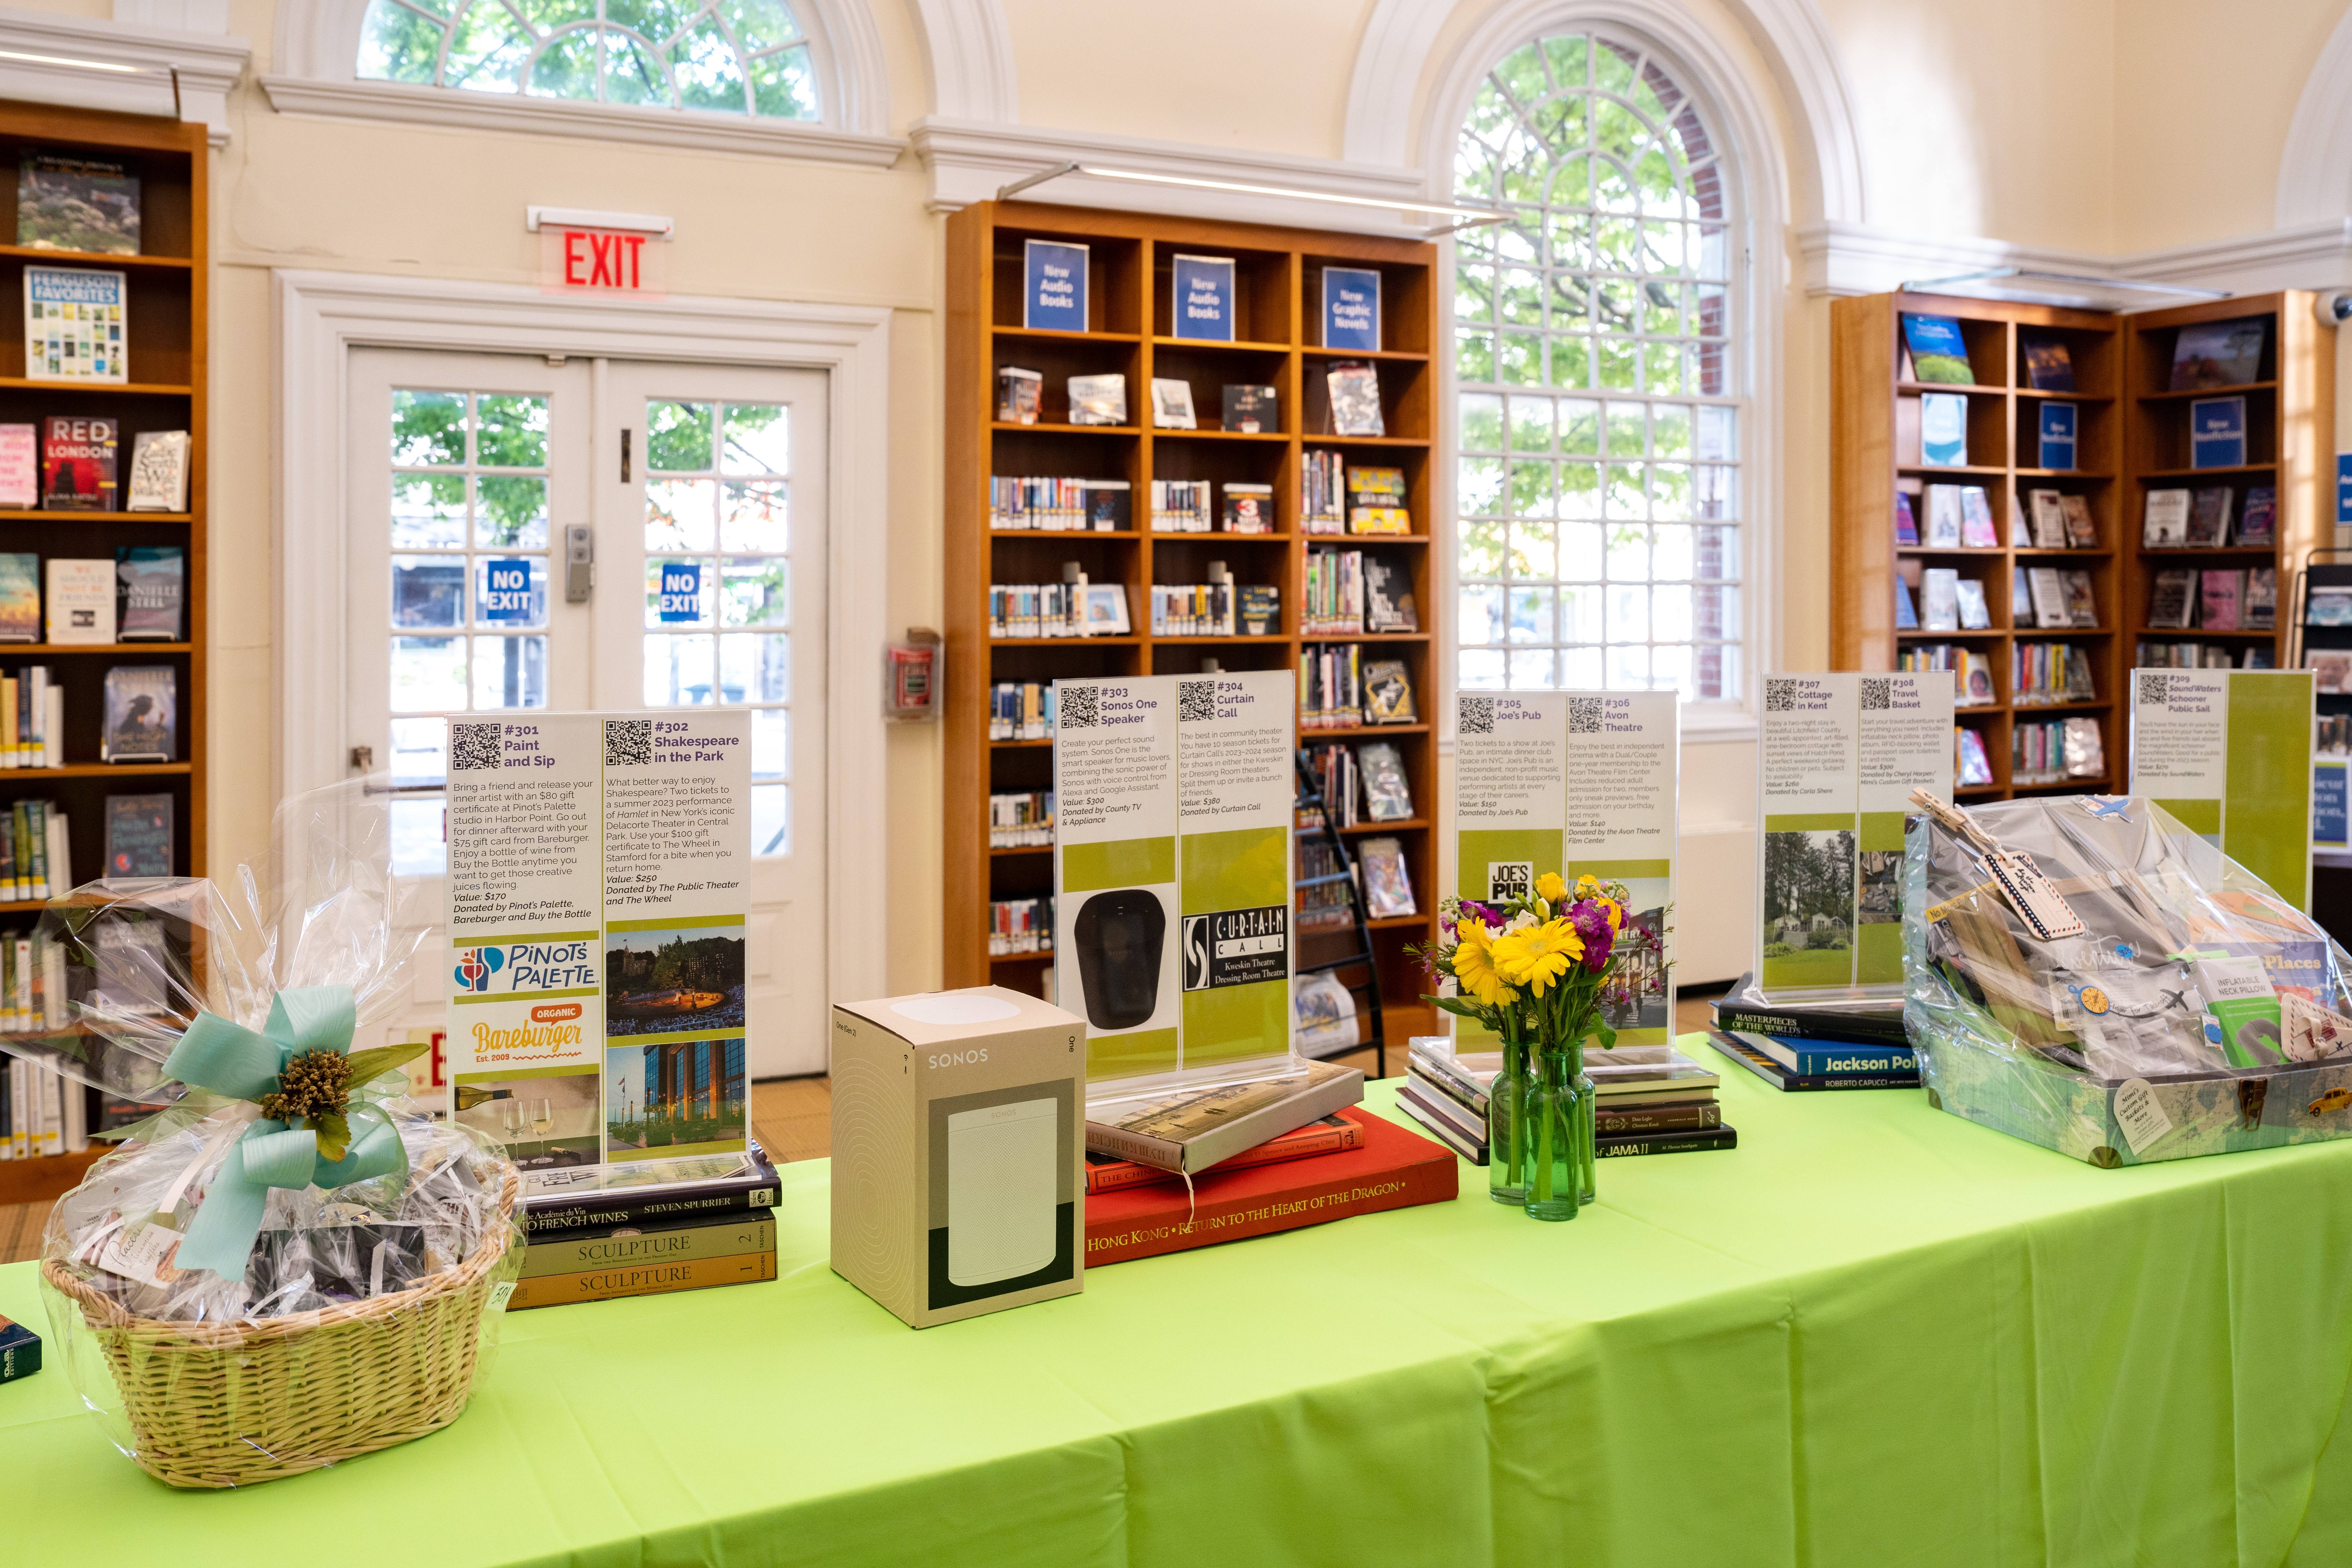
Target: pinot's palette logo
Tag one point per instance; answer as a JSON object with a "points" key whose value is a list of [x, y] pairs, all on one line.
{"points": [[477, 964]]}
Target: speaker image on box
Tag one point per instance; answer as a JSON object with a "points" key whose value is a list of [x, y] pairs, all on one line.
{"points": [[1118, 936], [1001, 1191]]}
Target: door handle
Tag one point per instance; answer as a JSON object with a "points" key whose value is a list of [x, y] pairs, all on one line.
{"points": [[579, 562]]}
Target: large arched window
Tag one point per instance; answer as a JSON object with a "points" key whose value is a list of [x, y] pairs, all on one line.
{"points": [[740, 57], [1596, 355]]}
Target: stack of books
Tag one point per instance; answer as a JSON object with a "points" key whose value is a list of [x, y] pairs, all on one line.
{"points": [[1649, 1099], [1815, 1046], [597, 1232]]}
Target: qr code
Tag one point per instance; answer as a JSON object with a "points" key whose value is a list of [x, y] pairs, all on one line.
{"points": [[628, 743], [473, 745], [1877, 694], [1078, 707], [1196, 701], [1477, 716], [1780, 696], [1584, 715], [2155, 686]]}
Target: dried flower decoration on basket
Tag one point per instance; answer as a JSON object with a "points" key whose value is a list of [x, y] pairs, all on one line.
{"points": [[289, 1263]]}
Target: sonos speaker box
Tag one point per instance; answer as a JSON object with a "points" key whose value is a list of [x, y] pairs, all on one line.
{"points": [[959, 1152]]}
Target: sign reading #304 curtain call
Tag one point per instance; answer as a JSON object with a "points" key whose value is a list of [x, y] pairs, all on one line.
{"points": [[1583, 783], [598, 887]]}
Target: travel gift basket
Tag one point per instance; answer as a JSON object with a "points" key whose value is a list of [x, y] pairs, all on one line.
{"points": [[2086, 974], [290, 1263]]}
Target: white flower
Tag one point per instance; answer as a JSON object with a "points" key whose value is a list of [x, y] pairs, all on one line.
{"points": [[1522, 921]]}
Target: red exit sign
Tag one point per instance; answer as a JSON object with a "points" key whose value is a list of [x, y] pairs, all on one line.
{"points": [[584, 258]]}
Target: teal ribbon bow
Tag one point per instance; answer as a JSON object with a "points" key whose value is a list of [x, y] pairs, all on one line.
{"points": [[232, 1060]]}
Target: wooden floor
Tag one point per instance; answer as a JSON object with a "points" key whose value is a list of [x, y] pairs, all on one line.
{"points": [[791, 1118]]}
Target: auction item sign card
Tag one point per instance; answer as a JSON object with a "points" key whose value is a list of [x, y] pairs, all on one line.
{"points": [[1840, 754], [2229, 752], [598, 887], [1583, 783], [1173, 801]]}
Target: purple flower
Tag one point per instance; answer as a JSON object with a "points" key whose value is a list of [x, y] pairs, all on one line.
{"points": [[1591, 924]]}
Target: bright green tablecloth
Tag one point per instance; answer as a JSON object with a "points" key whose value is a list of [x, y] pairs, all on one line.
{"points": [[1873, 1335]]}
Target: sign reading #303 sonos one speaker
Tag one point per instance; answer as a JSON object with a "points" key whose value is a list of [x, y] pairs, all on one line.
{"points": [[1172, 868]]}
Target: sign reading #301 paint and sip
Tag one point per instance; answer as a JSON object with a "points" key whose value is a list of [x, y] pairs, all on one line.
{"points": [[598, 889]]}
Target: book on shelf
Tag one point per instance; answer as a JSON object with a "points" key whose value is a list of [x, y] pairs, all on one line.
{"points": [[1180, 506], [78, 464], [32, 719], [1352, 309], [1976, 615], [1103, 610], [1171, 404], [20, 597], [2218, 354], [2081, 601], [1388, 794], [2049, 367], [80, 600], [1098, 399], [1387, 692], [2171, 600], [1342, 1130], [1388, 881], [71, 201], [2331, 669], [1975, 679], [1944, 429], [20, 467], [158, 471], [1191, 1128], [1016, 926], [2257, 519], [1249, 509], [2220, 596], [1388, 595], [2208, 517], [1321, 490], [139, 834], [1944, 510], [1939, 599], [1200, 298], [1974, 766], [1019, 393], [151, 583], [77, 325], [1249, 409], [2164, 524], [1907, 618], [2048, 591], [1745, 1008], [1937, 351], [2085, 754], [1355, 390], [2327, 605], [2082, 531], [1976, 520], [1053, 296], [2021, 598], [2217, 433], [1392, 1169], [2049, 508], [2058, 427], [2261, 598], [1764, 1065], [142, 713], [1259, 610], [1906, 524]]}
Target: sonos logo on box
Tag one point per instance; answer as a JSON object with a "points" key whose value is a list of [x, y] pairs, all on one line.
{"points": [[1235, 947], [956, 1058], [1508, 879]]}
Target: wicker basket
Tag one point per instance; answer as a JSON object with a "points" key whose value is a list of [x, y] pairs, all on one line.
{"points": [[235, 1405]]}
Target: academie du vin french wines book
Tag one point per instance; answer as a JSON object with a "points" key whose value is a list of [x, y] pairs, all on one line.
{"points": [[657, 1192], [1394, 1169]]}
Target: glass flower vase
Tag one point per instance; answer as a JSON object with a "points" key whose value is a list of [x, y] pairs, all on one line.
{"points": [[1559, 1133], [1507, 1126]]}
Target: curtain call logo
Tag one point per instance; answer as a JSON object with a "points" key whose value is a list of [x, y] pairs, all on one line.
{"points": [[1235, 947]]}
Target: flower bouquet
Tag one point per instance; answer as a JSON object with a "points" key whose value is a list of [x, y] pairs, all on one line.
{"points": [[289, 1263], [1540, 973]]}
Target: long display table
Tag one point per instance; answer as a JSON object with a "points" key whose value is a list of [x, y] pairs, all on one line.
{"points": [[1872, 1334]]}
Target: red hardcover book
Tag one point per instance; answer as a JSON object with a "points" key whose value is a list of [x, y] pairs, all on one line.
{"points": [[77, 464], [1395, 1169], [1327, 1135]]}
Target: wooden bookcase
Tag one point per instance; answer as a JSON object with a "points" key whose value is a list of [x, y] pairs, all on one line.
{"points": [[1279, 286], [2290, 439], [1868, 409]]}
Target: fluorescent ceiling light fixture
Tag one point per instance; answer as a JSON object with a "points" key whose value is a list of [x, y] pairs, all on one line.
{"points": [[1463, 215], [85, 65], [535, 218]]}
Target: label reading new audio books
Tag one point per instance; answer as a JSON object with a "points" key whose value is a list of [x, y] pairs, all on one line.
{"points": [[2229, 752]]}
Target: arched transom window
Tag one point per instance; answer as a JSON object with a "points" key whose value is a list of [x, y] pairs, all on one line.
{"points": [[1600, 406], [738, 56]]}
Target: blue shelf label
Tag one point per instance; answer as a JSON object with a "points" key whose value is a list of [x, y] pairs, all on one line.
{"points": [[1053, 291], [1201, 302], [1352, 309]]}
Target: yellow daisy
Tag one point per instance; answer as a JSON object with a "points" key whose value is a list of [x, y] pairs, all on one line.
{"points": [[1474, 967], [1537, 956]]}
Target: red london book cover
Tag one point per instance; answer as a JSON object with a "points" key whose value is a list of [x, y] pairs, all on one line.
{"points": [[77, 464], [1394, 1169]]}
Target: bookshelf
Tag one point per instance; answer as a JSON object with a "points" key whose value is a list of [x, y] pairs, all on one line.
{"points": [[1873, 453], [1278, 295], [2290, 437], [167, 314]]}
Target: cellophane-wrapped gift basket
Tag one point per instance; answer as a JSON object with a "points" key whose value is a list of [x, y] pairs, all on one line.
{"points": [[2086, 974], [290, 1263]]}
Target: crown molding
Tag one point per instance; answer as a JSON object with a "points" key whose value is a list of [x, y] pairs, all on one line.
{"points": [[968, 46], [2315, 180], [969, 160], [207, 65], [1845, 258]]}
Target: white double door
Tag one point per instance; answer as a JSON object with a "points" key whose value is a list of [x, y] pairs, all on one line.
{"points": [[703, 489]]}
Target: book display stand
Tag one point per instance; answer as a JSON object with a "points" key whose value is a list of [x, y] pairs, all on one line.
{"points": [[1179, 507]]}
